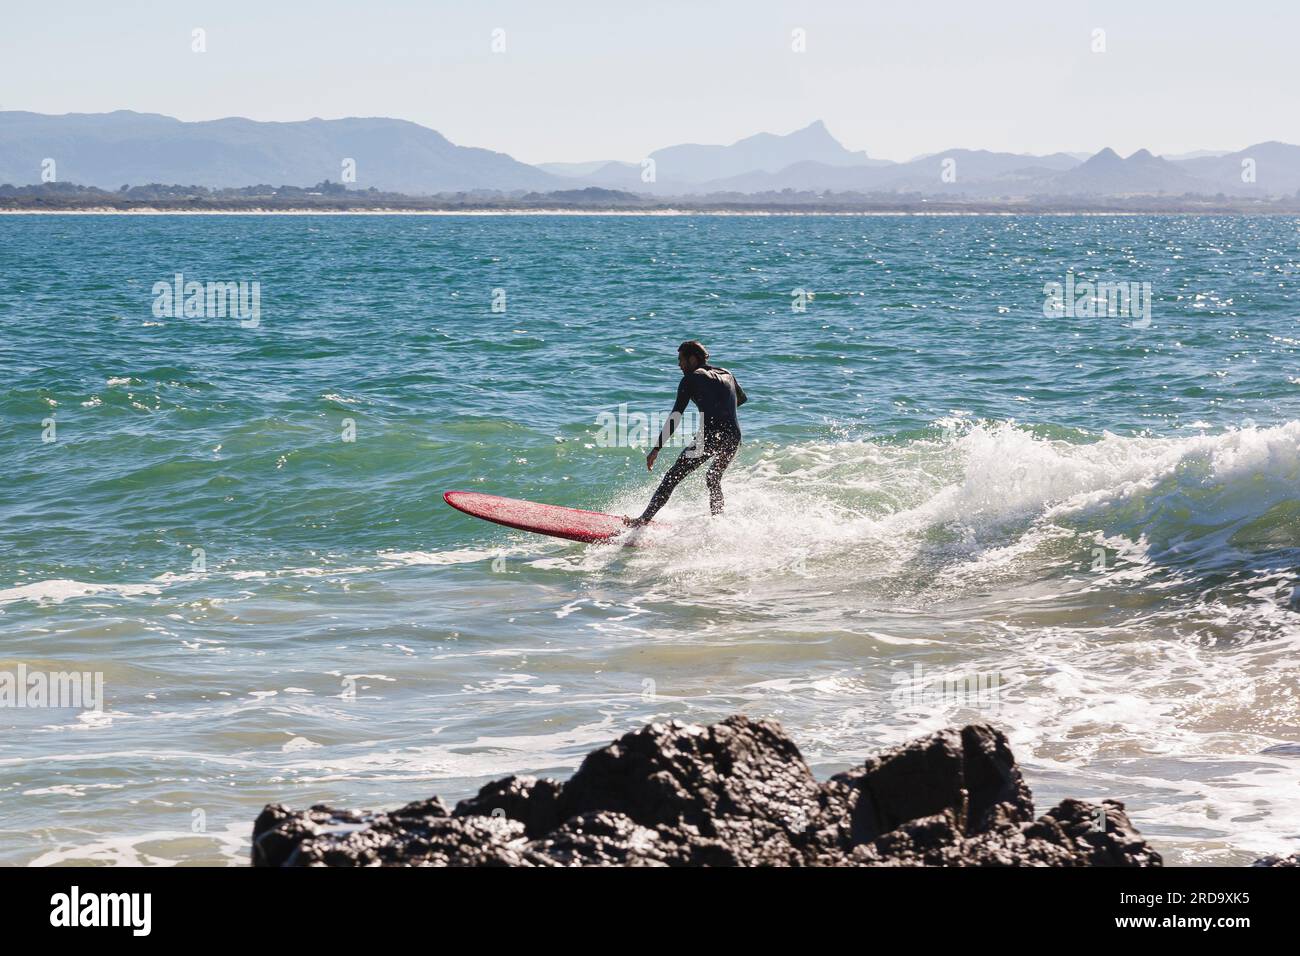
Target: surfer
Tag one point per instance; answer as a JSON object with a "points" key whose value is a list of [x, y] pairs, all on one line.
{"points": [[717, 395]]}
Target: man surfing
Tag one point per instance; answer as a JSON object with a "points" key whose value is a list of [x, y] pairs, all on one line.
{"points": [[717, 395]]}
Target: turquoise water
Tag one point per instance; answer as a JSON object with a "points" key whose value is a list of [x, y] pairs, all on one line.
{"points": [[1102, 512]]}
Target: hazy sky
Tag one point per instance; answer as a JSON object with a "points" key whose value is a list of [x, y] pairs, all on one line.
{"points": [[609, 79]]}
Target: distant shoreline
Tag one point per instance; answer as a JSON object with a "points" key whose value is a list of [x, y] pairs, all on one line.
{"points": [[685, 211]]}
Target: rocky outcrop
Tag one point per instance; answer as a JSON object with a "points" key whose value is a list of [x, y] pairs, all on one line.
{"points": [[735, 793]]}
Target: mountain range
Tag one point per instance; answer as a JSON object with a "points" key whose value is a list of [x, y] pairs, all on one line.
{"points": [[108, 150], [111, 149]]}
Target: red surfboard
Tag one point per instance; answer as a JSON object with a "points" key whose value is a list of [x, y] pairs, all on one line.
{"points": [[554, 520]]}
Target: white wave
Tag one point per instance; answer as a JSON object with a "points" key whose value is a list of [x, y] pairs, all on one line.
{"points": [[441, 558], [991, 494], [58, 590], [231, 843]]}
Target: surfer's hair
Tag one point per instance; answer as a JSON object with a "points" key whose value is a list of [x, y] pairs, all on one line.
{"points": [[695, 350]]}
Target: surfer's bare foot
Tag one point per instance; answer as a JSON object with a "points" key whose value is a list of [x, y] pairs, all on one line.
{"points": [[634, 522]]}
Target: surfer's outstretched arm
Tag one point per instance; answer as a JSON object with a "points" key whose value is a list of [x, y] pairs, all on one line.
{"points": [[670, 426], [676, 473]]}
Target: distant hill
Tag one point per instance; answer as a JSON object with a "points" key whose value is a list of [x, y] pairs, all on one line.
{"points": [[817, 162], [766, 152], [807, 174], [972, 172], [975, 171], [1276, 170], [573, 170], [591, 195], [111, 149], [1109, 174], [619, 175], [685, 167]]}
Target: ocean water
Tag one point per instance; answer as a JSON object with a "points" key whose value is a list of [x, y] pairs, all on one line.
{"points": [[949, 506]]}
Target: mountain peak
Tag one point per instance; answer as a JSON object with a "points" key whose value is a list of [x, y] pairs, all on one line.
{"points": [[762, 152], [815, 132]]}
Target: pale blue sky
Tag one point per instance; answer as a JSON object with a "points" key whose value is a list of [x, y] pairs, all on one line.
{"points": [[614, 80]]}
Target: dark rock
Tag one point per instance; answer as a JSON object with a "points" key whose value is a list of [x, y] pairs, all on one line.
{"points": [[735, 793], [1292, 860], [418, 834], [278, 831], [740, 781], [526, 799], [969, 772], [608, 838], [1098, 835]]}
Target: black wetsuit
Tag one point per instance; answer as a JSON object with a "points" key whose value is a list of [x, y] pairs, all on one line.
{"points": [[717, 395]]}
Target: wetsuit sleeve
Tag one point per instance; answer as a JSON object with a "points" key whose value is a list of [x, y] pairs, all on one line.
{"points": [[741, 397], [679, 406]]}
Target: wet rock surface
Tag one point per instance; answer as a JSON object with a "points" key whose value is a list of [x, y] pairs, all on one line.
{"points": [[735, 793]]}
